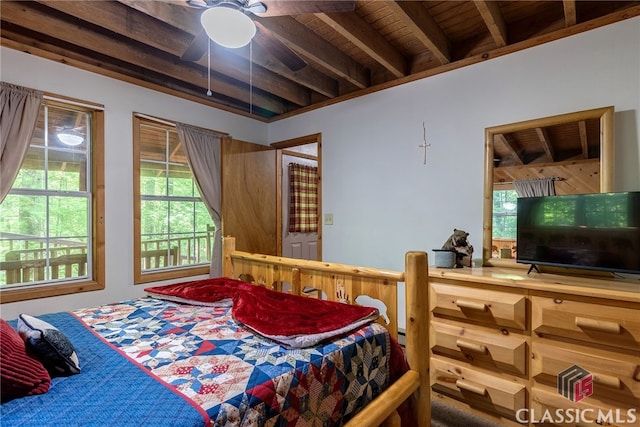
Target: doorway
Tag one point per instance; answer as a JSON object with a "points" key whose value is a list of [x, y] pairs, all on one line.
{"points": [[304, 151]]}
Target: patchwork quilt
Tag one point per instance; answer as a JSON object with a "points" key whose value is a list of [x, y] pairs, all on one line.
{"points": [[198, 362]]}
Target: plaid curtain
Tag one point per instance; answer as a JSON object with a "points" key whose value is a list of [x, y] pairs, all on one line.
{"points": [[303, 198]]}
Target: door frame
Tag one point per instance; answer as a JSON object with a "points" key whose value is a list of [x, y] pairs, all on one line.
{"points": [[281, 148]]}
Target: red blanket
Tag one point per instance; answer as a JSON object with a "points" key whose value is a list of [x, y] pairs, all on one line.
{"points": [[292, 320]]}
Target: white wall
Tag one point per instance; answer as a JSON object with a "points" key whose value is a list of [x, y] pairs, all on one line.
{"points": [[120, 100], [384, 200]]}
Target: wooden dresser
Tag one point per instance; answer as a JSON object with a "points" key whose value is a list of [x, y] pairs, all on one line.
{"points": [[500, 339]]}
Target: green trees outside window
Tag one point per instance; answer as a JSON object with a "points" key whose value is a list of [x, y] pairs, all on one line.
{"points": [[504, 214], [173, 228], [48, 227]]}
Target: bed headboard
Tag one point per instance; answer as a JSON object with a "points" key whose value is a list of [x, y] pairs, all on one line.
{"points": [[339, 281]]}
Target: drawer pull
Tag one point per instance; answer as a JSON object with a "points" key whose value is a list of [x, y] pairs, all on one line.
{"points": [[473, 388], [598, 325], [607, 380], [471, 305], [466, 345]]}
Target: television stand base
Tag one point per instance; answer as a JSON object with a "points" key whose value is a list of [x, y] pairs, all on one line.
{"points": [[533, 267]]}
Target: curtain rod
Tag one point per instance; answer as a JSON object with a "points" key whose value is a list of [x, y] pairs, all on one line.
{"points": [[155, 119], [168, 123], [72, 102], [554, 178]]}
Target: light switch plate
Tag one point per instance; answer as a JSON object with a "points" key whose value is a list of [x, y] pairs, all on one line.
{"points": [[328, 219]]}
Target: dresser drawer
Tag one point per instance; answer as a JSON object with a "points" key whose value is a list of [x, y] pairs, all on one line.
{"points": [[616, 376], [550, 409], [602, 324], [476, 388], [485, 347], [480, 305]]}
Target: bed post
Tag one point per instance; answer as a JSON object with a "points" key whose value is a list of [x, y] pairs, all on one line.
{"points": [[417, 325], [228, 246]]}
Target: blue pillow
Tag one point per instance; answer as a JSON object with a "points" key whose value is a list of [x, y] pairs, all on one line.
{"points": [[49, 345]]}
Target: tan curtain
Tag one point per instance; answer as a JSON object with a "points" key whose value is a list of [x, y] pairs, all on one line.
{"points": [[303, 198], [19, 109], [535, 187], [203, 153]]}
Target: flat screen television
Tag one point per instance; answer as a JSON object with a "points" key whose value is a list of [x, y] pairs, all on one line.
{"points": [[588, 231]]}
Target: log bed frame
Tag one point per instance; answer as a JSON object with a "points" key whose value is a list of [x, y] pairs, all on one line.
{"points": [[350, 282]]}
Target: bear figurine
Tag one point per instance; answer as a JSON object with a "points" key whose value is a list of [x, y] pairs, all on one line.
{"points": [[459, 244]]}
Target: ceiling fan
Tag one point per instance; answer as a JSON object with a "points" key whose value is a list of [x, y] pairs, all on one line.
{"points": [[243, 9]]}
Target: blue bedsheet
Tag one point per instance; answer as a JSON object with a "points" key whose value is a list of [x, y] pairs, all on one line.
{"points": [[109, 391]]}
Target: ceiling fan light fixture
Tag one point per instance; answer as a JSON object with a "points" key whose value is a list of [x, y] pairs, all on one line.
{"points": [[227, 26], [70, 139]]}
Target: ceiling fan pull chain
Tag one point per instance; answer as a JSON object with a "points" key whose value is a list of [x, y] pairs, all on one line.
{"points": [[209, 93], [251, 77]]}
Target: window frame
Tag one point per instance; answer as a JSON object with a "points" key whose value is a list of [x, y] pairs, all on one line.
{"points": [[97, 280], [141, 277]]}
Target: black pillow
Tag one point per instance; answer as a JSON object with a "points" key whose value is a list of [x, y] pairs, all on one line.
{"points": [[52, 347]]}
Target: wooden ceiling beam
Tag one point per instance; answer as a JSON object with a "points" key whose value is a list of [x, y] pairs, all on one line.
{"points": [[179, 23], [424, 27], [307, 77], [493, 19], [187, 19], [584, 140], [130, 23], [570, 16], [547, 146], [511, 146], [308, 44], [360, 33], [19, 13], [22, 43], [175, 13]]}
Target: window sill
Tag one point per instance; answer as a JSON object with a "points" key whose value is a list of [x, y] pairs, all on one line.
{"points": [[181, 273], [34, 292]]}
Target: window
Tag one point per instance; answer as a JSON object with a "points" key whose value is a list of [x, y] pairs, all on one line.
{"points": [[173, 230], [50, 233], [504, 214]]}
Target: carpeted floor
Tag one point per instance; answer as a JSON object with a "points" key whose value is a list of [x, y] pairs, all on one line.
{"points": [[443, 415]]}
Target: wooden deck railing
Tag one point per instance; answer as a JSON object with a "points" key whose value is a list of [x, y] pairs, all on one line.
{"points": [[40, 253], [70, 261], [33, 270], [184, 247], [159, 258]]}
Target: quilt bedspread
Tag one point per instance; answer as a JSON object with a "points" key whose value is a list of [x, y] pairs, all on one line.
{"points": [[240, 378]]}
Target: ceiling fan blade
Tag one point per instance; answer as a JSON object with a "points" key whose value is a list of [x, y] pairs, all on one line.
{"points": [[278, 49], [288, 7], [197, 3], [256, 7], [197, 48]]}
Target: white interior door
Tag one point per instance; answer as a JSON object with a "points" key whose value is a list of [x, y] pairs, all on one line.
{"points": [[296, 245]]}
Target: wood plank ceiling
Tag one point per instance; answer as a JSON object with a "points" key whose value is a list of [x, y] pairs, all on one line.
{"points": [[377, 45], [569, 152]]}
